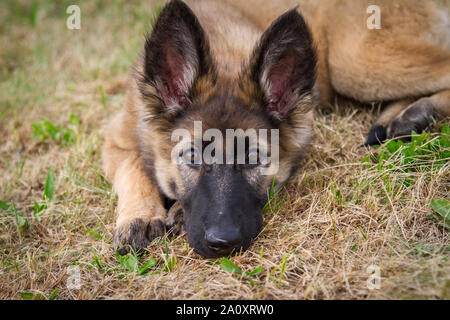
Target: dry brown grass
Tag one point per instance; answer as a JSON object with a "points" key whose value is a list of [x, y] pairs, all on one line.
{"points": [[337, 218]]}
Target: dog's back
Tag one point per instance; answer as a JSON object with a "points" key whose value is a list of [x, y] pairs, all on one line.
{"points": [[408, 56], [405, 58]]}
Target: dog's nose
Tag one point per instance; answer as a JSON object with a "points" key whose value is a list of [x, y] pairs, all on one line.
{"points": [[224, 241]]}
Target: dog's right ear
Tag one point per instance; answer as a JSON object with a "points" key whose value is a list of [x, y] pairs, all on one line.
{"points": [[176, 55]]}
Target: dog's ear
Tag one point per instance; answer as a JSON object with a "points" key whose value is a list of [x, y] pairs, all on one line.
{"points": [[283, 64], [176, 55]]}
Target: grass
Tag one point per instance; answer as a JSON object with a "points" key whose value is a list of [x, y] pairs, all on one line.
{"points": [[349, 208]]}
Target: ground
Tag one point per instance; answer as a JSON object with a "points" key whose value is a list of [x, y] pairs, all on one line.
{"points": [[352, 214]]}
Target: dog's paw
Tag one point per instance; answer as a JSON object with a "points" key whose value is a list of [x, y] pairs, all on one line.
{"points": [[377, 135], [418, 117], [137, 234], [175, 219]]}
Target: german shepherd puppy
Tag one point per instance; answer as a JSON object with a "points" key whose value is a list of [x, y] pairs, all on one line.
{"points": [[259, 64]]}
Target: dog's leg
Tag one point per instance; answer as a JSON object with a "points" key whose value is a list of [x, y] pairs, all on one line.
{"points": [[420, 115], [140, 207], [377, 133], [401, 117]]}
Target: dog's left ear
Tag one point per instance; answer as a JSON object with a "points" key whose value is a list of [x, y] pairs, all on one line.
{"points": [[283, 64]]}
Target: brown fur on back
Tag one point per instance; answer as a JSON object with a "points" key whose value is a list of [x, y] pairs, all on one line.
{"points": [[408, 56]]}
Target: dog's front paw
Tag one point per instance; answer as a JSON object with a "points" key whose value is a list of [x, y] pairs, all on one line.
{"points": [[175, 219], [137, 233]]}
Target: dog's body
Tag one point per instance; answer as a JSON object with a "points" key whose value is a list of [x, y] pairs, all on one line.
{"points": [[403, 61], [224, 70]]}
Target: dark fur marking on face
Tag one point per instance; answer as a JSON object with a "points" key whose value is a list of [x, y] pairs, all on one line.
{"points": [[222, 204], [173, 188]]}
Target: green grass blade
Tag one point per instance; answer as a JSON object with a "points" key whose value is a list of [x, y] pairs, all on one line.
{"points": [[229, 266], [49, 185], [89, 187], [442, 207]]}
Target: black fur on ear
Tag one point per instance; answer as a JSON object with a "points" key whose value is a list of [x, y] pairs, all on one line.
{"points": [[176, 55], [283, 64]]}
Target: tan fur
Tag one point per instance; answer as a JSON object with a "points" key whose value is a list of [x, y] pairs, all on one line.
{"points": [[392, 110], [408, 58]]}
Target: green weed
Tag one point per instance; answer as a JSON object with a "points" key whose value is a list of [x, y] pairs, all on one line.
{"points": [[228, 266], [44, 130]]}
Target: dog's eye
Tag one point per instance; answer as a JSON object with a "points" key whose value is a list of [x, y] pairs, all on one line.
{"points": [[189, 157], [253, 159]]}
